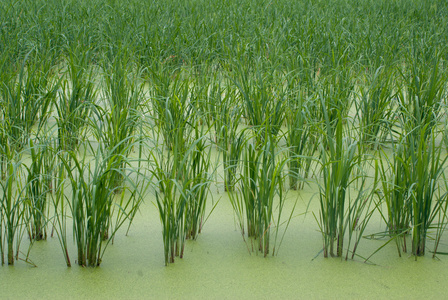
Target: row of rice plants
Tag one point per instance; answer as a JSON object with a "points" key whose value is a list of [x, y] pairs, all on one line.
{"points": [[58, 164], [285, 76], [177, 131], [285, 36], [179, 145]]}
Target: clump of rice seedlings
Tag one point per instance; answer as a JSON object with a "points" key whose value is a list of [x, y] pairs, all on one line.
{"points": [[91, 203], [76, 96], [299, 141], [182, 184], [339, 210], [198, 173], [373, 107], [27, 97], [421, 95], [225, 114], [412, 191], [335, 95], [396, 195], [172, 108], [263, 100], [37, 187], [123, 95], [259, 199], [61, 203], [12, 209], [427, 198], [171, 206]]}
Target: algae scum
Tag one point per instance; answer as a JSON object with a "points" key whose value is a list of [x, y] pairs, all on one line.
{"points": [[218, 265], [256, 149]]}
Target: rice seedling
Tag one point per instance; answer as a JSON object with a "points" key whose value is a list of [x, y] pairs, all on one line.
{"points": [[13, 209], [198, 185], [225, 114], [171, 208], [339, 210], [412, 188], [299, 141], [37, 187], [374, 106], [260, 193], [27, 97], [76, 96], [90, 206], [427, 198], [61, 204], [182, 184], [263, 101], [91, 203], [397, 195], [174, 112], [412, 191], [120, 120], [421, 95]]}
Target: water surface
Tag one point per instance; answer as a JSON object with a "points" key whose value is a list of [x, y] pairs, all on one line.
{"points": [[218, 265]]}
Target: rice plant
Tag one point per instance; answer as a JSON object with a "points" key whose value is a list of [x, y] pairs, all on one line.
{"points": [[91, 203], [411, 187], [263, 99], [421, 95], [13, 208], [172, 108], [171, 207], [120, 120], [339, 210], [259, 200], [182, 183], [27, 99], [374, 106], [427, 197], [37, 187], [300, 141], [397, 195], [76, 96], [225, 114], [61, 204], [412, 191], [198, 184]]}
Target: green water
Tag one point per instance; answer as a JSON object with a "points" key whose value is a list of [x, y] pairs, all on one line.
{"points": [[219, 266]]}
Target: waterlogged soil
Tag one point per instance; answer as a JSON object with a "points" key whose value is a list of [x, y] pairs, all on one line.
{"points": [[218, 265]]}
